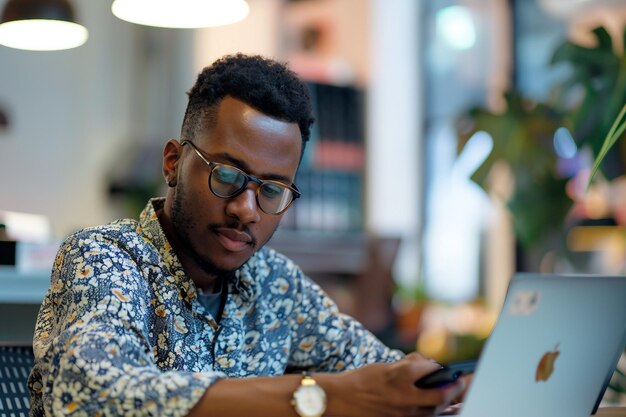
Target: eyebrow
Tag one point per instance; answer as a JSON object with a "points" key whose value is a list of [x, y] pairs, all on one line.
{"points": [[245, 167]]}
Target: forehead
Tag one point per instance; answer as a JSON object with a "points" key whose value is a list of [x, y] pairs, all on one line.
{"points": [[263, 143]]}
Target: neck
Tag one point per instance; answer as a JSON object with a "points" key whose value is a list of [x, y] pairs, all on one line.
{"points": [[207, 282]]}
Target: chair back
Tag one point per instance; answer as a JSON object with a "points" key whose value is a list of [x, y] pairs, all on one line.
{"points": [[16, 363]]}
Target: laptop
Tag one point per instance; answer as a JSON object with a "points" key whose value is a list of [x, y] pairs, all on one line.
{"points": [[553, 349]]}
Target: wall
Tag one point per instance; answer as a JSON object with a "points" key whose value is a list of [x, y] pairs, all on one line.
{"points": [[68, 110], [74, 113], [79, 117], [258, 33], [395, 152]]}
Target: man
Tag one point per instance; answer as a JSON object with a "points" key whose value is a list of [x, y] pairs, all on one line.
{"points": [[173, 315]]}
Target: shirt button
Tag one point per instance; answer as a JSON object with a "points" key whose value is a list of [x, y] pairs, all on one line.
{"points": [[37, 386]]}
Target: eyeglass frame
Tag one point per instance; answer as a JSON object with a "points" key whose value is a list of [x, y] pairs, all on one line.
{"points": [[212, 165]]}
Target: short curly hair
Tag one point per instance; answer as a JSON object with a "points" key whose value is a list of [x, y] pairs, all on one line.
{"points": [[262, 83]]}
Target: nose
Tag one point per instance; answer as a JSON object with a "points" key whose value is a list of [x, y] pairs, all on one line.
{"points": [[244, 206]]}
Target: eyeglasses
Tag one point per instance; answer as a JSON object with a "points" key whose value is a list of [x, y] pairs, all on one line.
{"points": [[226, 181]]}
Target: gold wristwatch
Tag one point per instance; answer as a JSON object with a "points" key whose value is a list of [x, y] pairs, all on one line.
{"points": [[309, 399]]}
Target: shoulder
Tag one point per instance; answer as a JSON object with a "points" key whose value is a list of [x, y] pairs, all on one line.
{"points": [[275, 260], [108, 237], [119, 230], [114, 244], [272, 272], [278, 270], [273, 264], [94, 265]]}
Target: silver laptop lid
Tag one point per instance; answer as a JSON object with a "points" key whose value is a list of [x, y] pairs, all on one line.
{"points": [[556, 340]]}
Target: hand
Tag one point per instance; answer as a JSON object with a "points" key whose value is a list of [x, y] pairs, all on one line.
{"points": [[385, 389]]}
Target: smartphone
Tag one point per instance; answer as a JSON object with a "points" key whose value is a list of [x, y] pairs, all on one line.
{"points": [[447, 374]]}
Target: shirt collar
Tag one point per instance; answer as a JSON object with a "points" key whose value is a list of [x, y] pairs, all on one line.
{"points": [[151, 230]]}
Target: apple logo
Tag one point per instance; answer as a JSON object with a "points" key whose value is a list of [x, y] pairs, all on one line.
{"points": [[546, 364]]}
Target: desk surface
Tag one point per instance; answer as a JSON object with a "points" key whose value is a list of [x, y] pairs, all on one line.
{"points": [[611, 412], [23, 287]]}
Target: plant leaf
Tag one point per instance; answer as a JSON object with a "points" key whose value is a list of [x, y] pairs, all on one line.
{"points": [[616, 131]]}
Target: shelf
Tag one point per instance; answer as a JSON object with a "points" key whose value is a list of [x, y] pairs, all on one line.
{"points": [[23, 287], [331, 176], [323, 253]]}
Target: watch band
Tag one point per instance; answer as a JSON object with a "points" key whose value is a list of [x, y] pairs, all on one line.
{"points": [[307, 379]]}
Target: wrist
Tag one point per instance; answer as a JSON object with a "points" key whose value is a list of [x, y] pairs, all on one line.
{"points": [[338, 393], [309, 399]]}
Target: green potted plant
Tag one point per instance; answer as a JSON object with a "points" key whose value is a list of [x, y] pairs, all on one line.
{"points": [[615, 133], [585, 102]]}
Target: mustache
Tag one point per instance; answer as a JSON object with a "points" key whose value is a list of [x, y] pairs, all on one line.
{"points": [[236, 226]]}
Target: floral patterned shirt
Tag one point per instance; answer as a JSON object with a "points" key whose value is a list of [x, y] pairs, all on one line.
{"points": [[121, 331]]}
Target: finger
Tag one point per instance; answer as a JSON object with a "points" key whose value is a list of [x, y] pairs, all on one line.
{"points": [[451, 410], [414, 356], [417, 369]]}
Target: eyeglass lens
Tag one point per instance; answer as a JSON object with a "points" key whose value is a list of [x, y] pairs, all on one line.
{"points": [[226, 182]]}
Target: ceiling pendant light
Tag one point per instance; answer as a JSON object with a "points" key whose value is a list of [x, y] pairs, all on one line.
{"points": [[40, 25], [181, 13]]}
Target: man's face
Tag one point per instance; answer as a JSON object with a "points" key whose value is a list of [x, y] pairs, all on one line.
{"points": [[217, 234]]}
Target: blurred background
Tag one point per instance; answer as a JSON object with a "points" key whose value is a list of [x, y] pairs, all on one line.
{"points": [[452, 148]]}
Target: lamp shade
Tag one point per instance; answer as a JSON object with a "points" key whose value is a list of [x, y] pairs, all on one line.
{"points": [[40, 25], [181, 13]]}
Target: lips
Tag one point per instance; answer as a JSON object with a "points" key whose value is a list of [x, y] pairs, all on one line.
{"points": [[233, 240]]}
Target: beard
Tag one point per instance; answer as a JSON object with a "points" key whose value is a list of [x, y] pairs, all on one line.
{"points": [[183, 227]]}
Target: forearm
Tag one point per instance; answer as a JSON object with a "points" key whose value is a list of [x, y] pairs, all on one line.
{"points": [[266, 396], [375, 390]]}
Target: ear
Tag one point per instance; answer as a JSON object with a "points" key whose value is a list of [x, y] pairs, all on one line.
{"points": [[171, 154]]}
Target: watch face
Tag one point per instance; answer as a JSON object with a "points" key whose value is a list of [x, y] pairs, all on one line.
{"points": [[310, 401]]}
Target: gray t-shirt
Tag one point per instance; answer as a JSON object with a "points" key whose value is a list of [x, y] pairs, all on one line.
{"points": [[212, 302]]}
